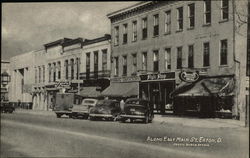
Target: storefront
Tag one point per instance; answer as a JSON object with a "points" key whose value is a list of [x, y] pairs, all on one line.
{"points": [[156, 88], [205, 96]]}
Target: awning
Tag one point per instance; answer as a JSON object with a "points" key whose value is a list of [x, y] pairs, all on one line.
{"points": [[90, 92], [223, 86], [126, 89]]}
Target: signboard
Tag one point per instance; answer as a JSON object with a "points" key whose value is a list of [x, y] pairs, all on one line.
{"points": [[125, 79], [189, 76], [62, 84], [158, 76]]}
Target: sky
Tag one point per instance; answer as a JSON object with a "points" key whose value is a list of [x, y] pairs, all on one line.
{"points": [[27, 26]]}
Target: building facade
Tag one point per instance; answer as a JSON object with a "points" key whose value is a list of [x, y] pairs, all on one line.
{"points": [[154, 42], [5, 79]]}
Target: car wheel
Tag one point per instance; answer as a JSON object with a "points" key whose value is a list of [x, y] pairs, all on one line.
{"points": [[131, 120], [146, 120], [58, 115], [91, 118], [70, 115]]}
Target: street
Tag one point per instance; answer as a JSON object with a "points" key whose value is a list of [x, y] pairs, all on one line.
{"points": [[25, 135]]}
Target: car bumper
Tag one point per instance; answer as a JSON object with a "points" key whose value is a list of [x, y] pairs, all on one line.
{"points": [[63, 112], [101, 115], [133, 116]]}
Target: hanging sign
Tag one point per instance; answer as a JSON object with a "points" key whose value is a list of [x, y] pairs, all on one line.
{"points": [[189, 76], [62, 84]]}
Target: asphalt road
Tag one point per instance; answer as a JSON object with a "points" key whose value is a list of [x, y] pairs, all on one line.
{"points": [[25, 135]]}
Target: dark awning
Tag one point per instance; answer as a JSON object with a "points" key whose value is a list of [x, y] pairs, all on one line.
{"points": [[127, 89], [90, 92], [223, 86]]}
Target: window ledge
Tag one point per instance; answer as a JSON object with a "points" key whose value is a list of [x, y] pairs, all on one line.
{"points": [[206, 25], [223, 20], [156, 36], [125, 43], [116, 45], [190, 28], [167, 33], [134, 41], [222, 66], [206, 67], [179, 30], [143, 38]]}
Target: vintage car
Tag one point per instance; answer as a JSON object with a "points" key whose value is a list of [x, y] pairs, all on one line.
{"points": [[105, 109], [64, 104], [82, 110], [136, 108], [6, 107]]}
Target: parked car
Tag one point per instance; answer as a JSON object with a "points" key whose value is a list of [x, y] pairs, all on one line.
{"points": [[82, 110], [6, 107], [105, 109], [63, 104], [136, 108]]}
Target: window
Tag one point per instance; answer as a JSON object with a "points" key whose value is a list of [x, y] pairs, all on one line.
{"points": [[125, 33], [179, 18], [95, 64], [116, 66], [207, 11], [134, 56], [156, 25], [144, 61], [77, 67], [39, 74], [191, 15], [156, 60], [35, 75], [66, 69], [168, 22], [59, 70], [179, 57], [43, 73], [190, 56], [124, 66], [168, 59], [87, 65], [54, 72], [134, 29], [72, 68], [206, 54], [223, 52], [49, 67], [144, 28], [116, 40], [224, 9], [104, 59]]}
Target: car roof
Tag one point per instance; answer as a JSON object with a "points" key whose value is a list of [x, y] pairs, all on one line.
{"points": [[90, 99], [135, 99]]}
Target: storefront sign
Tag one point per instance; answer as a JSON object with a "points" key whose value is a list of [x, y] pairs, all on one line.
{"points": [[159, 76], [125, 79], [62, 84], [189, 76]]}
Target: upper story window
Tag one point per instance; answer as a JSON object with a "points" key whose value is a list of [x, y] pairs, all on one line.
{"points": [[77, 67], [190, 56], [207, 11], [167, 22], [144, 28], [116, 34], [168, 59], [104, 59], [144, 61], [87, 62], [95, 60], [206, 55], [116, 60], [223, 52], [66, 69], [134, 60], [156, 60], [35, 75], [125, 33], [54, 72], [124, 65], [191, 15], [179, 57], [180, 19], [156, 25], [72, 68], [224, 9], [43, 73], [59, 70], [134, 31], [39, 74]]}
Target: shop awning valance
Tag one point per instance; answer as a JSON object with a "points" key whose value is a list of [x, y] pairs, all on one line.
{"points": [[90, 92], [127, 89], [222, 86]]}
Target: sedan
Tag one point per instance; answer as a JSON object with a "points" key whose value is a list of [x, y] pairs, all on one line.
{"points": [[82, 110]]}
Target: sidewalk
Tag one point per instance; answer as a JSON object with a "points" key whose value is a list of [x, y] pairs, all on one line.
{"points": [[169, 119]]}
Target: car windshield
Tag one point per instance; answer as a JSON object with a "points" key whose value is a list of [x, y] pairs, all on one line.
{"points": [[136, 102], [104, 103], [88, 101]]}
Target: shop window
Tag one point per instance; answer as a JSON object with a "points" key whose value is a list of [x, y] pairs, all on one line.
{"points": [[206, 54], [124, 66], [180, 19], [116, 39], [168, 22], [190, 56], [125, 33], [223, 52], [66, 69], [156, 25], [134, 30], [179, 57], [144, 28], [168, 59], [191, 15], [224, 9], [156, 60], [144, 61], [104, 59], [207, 11]]}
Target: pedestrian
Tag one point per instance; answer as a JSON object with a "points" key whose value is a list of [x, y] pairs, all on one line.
{"points": [[122, 105]]}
